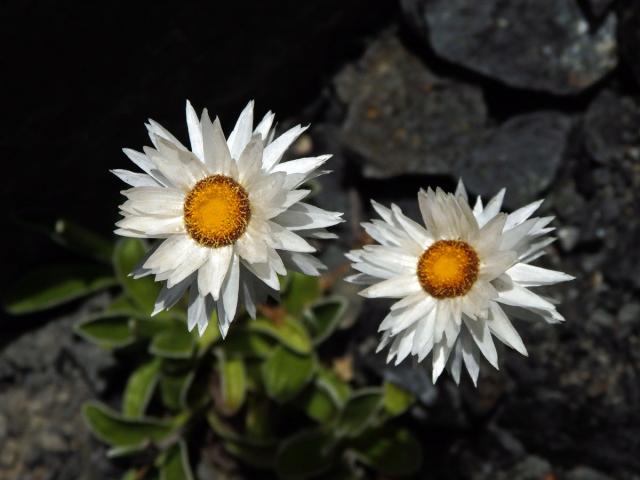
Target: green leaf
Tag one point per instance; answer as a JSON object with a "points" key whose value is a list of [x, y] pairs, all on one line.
{"points": [[52, 285], [317, 404], [140, 388], [302, 291], [359, 413], [106, 330], [126, 451], [390, 451], [150, 327], [259, 420], [247, 344], [396, 400], [258, 457], [131, 474], [173, 343], [322, 318], [289, 332], [82, 240], [305, 455], [114, 429], [175, 465], [285, 374], [337, 389], [128, 253], [172, 387], [233, 381]]}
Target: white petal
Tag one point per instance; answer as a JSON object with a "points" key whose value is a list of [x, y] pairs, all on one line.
{"points": [[274, 151], [516, 218], [530, 276], [168, 297], [518, 296], [471, 357], [152, 227], [414, 230], [241, 133], [461, 191], [135, 179], [230, 288], [302, 262], [196, 310], [214, 146], [502, 328], [496, 264], [195, 132], [264, 126], [303, 216], [440, 356], [393, 288], [481, 334], [492, 208], [214, 270]]}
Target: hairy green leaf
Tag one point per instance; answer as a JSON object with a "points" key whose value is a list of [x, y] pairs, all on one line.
{"points": [[360, 412], [140, 388], [323, 317], [306, 455], [116, 430], [390, 451], [288, 332], [52, 285], [175, 465], [127, 254], [106, 330], [302, 291], [285, 374]]}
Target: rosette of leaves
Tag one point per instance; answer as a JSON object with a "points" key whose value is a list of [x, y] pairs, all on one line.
{"points": [[265, 396]]}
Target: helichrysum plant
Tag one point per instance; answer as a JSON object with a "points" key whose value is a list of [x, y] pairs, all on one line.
{"points": [[228, 213], [231, 242], [456, 278]]}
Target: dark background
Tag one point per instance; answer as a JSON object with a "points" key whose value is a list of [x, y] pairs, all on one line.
{"points": [[541, 96]]}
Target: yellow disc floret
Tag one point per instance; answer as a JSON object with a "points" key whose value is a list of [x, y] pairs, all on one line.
{"points": [[216, 211], [448, 268]]}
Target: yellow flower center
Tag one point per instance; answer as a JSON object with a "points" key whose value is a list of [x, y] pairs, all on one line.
{"points": [[448, 268], [216, 211]]}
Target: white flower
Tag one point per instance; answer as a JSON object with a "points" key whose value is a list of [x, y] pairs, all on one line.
{"points": [[229, 213], [456, 279]]}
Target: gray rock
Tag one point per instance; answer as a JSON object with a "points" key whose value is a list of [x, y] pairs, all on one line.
{"points": [[586, 473], [531, 468], [598, 8], [533, 44], [629, 313], [46, 376], [612, 127], [402, 118], [522, 155]]}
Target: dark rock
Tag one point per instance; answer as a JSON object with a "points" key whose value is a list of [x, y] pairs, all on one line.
{"points": [[598, 8], [586, 473], [532, 44], [522, 155], [402, 118], [629, 36], [45, 377], [612, 127]]}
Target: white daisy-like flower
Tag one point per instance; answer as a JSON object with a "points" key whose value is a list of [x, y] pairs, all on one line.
{"points": [[229, 214], [456, 279]]}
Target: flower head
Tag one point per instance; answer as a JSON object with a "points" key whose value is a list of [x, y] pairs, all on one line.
{"points": [[456, 278], [228, 214]]}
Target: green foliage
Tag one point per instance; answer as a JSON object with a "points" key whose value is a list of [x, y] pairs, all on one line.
{"points": [[53, 285], [266, 393]]}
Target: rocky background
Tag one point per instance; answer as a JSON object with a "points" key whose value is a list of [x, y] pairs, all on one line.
{"points": [[539, 96]]}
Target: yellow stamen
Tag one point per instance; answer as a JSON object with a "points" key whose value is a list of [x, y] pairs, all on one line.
{"points": [[216, 211], [448, 268]]}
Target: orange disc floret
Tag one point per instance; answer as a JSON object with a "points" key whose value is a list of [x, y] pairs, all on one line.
{"points": [[448, 268], [216, 211]]}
